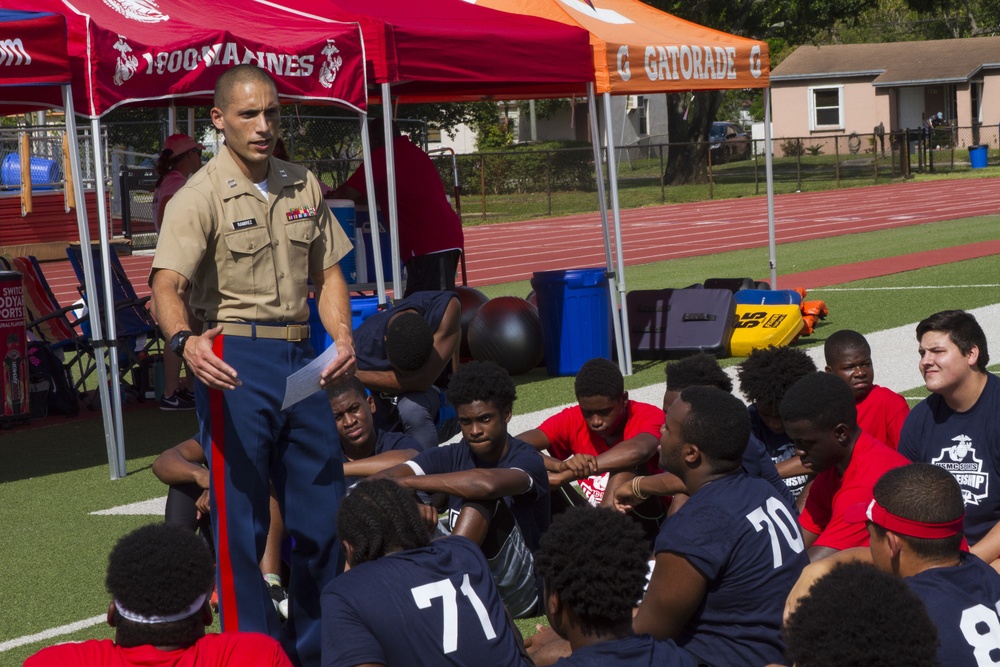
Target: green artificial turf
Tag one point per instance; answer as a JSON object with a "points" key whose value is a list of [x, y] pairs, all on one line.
{"points": [[54, 551]]}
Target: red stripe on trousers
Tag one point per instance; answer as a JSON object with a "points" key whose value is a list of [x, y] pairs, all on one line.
{"points": [[227, 594]]}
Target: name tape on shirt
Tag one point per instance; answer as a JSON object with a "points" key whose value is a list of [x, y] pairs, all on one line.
{"points": [[301, 213], [244, 224]]}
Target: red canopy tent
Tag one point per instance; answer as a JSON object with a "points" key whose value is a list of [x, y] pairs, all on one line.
{"points": [[450, 50], [36, 75], [147, 52]]}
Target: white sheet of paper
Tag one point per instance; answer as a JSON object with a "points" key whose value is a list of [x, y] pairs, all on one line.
{"points": [[304, 382]]}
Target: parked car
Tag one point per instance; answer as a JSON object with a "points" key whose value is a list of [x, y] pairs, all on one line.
{"points": [[728, 142]]}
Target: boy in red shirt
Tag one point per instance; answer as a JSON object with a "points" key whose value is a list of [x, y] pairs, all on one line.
{"points": [[603, 434], [819, 416], [881, 411]]}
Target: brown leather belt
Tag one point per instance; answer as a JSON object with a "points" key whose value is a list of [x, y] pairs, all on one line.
{"points": [[290, 332]]}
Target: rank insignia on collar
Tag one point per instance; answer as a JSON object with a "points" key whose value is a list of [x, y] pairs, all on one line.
{"points": [[301, 213], [231, 183], [282, 173]]}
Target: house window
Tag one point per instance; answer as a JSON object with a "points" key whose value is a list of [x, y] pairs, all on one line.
{"points": [[826, 108], [643, 111]]}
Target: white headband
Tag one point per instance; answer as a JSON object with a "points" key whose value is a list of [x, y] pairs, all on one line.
{"points": [[184, 613]]}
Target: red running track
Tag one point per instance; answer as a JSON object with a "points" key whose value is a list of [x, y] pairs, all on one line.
{"points": [[513, 251]]}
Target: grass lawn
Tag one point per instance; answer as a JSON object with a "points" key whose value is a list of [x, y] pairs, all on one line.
{"points": [[54, 550]]}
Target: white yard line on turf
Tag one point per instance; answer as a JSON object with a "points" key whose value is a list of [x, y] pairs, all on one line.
{"points": [[894, 355]]}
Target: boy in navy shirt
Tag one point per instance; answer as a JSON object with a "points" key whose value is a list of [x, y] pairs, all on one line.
{"points": [[915, 521], [597, 619], [497, 487], [366, 450], [958, 426], [405, 600], [727, 559]]}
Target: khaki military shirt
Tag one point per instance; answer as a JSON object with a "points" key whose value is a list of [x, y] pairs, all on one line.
{"points": [[247, 259]]}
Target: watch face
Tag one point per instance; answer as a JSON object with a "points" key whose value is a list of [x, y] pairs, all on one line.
{"points": [[178, 340]]}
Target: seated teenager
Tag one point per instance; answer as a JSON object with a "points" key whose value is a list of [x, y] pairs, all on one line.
{"points": [[366, 450], [497, 491], [765, 376], [699, 370], [596, 620], [819, 415], [857, 616], [915, 522], [405, 355], [881, 411], [160, 578], [727, 559], [407, 600], [604, 433]]}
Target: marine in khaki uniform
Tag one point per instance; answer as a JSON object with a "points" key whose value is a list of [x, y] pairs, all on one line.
{"points": [[239, 243]]}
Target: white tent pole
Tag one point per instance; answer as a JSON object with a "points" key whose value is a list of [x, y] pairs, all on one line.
{"points": [[772, 254], [366, 154], [171, 118], [94, 300], [390, 167], [616, 213], [602, 203], [116, 458], [190, 131]]}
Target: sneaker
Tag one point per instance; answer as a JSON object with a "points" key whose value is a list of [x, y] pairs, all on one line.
{"points": [[186, 393], [279, 596], [176, 401]]}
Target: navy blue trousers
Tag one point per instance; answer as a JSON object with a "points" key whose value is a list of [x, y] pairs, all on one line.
{"points": [[249, 443]]}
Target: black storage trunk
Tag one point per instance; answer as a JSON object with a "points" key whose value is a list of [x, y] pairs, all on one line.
{"points": [[669, 323]]}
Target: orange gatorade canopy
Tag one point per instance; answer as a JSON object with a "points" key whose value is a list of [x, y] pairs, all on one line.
{"points": [[639, 49]]}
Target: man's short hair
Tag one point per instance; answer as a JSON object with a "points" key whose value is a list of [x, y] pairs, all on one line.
{"points": [[767, 373], [159, 570], [857, 616], [822, 399], [352, 385], [238, 75], [482, 381], [841, 342], [718, 423], [409, 341], [963, 330], [599, 377], [922, 492], [698, 370], [379, 517], [604, 587]]}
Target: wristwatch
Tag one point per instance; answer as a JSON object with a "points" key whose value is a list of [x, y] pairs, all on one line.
{"points": [[178, 340]]}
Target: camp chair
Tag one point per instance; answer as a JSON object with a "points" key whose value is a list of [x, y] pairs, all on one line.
{"points": [[137, 333], [48, 323]]}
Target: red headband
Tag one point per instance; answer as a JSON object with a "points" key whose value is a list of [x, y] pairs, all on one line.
{"points": [[897, 524]]}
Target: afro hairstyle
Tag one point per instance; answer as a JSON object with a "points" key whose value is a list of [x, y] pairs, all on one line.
{"points": [[603, 588], [698, 370], [159, 570], [482, 381], [409, 341], [767, 373], [857, 616], [599, 377]]}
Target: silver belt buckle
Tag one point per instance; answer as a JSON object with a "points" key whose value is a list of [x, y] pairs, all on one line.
{"points": [[293, 332]]}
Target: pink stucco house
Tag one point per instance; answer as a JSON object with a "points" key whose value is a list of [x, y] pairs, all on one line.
{"points": [[819, 91]]}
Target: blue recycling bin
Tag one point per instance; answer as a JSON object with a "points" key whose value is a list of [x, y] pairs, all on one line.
{"points": [[362, 307], [45, 173], [978, 156], [575, 310]]}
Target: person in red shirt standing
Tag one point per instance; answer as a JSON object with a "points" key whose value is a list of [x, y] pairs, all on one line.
{"points": [[603, 434], [819, 416], [881, 411], [430, 232]]}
